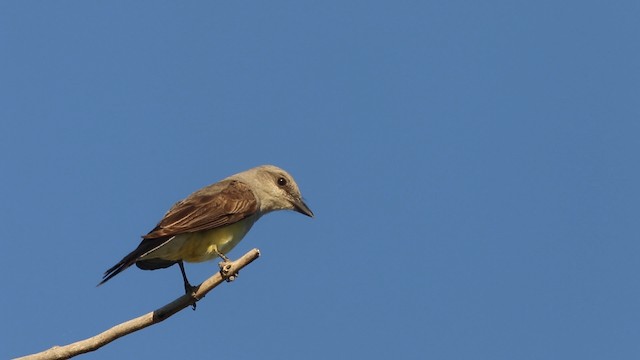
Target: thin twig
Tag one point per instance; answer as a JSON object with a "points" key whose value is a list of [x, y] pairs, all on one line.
{"points": [[141, 322]]}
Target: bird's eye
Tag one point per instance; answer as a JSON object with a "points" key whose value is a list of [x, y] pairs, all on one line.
{"points": [[282, 181]]}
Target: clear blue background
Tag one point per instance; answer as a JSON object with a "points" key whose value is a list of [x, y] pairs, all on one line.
{"points": [[473, 167]]}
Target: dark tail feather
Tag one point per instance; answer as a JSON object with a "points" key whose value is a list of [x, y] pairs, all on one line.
{"points": [[120, 266], [144, 247], [153, 264]]}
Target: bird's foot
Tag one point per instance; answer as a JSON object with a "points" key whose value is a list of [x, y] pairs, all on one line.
{"points": [[225, 267], [191, 291], [225, 270]]}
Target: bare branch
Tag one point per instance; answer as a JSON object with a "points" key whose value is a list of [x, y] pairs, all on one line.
{"points": [[154, 317]]}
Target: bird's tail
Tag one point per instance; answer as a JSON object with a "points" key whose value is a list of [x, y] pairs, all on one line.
{"points": [[120, 266], [144, 248]]}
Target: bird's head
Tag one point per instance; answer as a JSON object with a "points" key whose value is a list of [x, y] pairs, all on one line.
{"points": [[275, 189]]}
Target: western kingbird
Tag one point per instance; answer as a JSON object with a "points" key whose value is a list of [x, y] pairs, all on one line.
{"points": [[212, 220]]}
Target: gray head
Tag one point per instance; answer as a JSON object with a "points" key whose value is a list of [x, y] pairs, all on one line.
{"points": [[275, 189]]}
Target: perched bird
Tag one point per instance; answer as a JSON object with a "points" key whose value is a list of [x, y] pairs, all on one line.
{"points": [[211, 221]]}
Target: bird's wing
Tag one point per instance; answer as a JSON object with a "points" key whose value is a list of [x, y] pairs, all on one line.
{"points": [[214, 206]]}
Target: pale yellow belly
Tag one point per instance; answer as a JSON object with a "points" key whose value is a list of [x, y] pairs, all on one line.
{"points": [[201, 246]]}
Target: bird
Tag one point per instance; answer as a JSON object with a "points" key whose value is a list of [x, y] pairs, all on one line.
{"points": [[212, 221]]}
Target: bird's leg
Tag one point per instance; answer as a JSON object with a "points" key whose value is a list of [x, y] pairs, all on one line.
{"points": [[221, 255], [188, 289], [225, 266]]}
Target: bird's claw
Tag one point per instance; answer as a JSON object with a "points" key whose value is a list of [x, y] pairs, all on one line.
{"points": [[225, 271], [191, 291]]}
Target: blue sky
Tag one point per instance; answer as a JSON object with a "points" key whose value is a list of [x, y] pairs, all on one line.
{"points": [[472, 167]]}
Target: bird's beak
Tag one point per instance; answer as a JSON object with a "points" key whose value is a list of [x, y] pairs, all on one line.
{"points": [[301, 207]]}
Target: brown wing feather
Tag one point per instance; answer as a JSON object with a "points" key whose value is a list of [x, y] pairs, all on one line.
{"points": [[216, 205]]}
